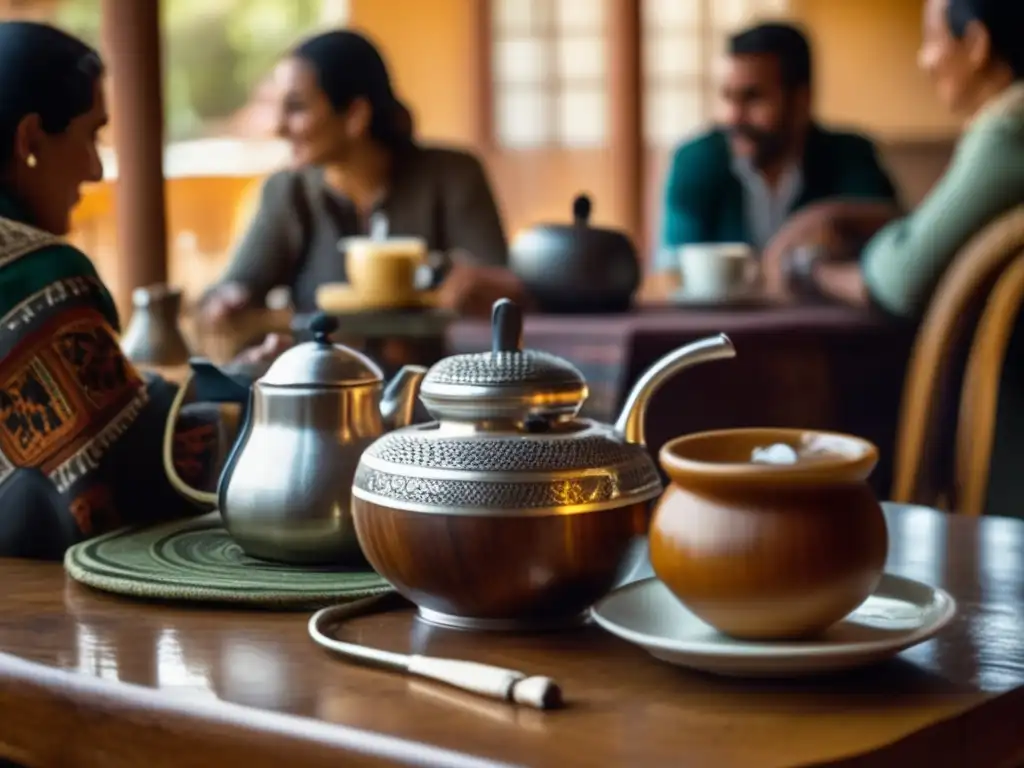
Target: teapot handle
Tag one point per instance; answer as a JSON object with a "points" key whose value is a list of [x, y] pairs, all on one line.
{"points": [[203, 499]]}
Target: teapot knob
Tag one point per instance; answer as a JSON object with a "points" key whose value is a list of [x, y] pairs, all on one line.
{"points": [[581, 208], [322, 326], [506, 326]]}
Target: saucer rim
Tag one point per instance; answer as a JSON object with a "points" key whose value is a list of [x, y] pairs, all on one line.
{"points": [[750, 293], [424, 299], [778, 650]]}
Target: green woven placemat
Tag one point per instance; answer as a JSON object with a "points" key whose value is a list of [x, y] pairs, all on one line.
{"points": [[196, 560]]}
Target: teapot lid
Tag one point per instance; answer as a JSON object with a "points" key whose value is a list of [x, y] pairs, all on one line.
{"points": [[508, 382], [321, 363]]}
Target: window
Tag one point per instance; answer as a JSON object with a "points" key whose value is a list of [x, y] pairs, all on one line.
{"points": [[217, 52], [682, 39], [549, 70]]}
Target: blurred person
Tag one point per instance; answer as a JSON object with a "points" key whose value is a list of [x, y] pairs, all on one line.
{"points": [[355, 155], [81, 429], [769, 164], [973, 52]]}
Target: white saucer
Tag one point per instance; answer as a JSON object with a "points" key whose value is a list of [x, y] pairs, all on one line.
{"points": [[900, 614], [739, 295]]}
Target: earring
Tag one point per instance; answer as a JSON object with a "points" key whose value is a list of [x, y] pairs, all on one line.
{"points": [[31, 161]]}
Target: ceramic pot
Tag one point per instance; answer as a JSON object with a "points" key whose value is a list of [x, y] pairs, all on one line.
{"points": [[577, 267], [769, 551], [153, 337]]}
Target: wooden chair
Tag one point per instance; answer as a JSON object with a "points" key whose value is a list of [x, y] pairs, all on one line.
{"points": [[974, 310]]}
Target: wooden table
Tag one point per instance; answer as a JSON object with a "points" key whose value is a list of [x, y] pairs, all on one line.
{"points": [[88, 679]]}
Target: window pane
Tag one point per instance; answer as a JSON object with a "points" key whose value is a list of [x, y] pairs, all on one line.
{"points": [[714, 53], [517, 16], [713, 103], [731, 14], [672, 113], [676, 14], [579, 15], [581, 58], [523, 117], [520, 61], [673, 55], [727, 14], [583, 118]]}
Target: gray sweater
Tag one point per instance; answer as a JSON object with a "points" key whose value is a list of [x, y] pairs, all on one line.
{"points": [[441, 195]]}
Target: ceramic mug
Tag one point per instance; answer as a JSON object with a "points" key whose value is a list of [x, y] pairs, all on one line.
{"points": [[716, 270], [385, 272], [769, 551]]}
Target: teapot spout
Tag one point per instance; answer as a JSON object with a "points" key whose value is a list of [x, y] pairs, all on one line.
{"points": [[399, 399], [630, 423]]}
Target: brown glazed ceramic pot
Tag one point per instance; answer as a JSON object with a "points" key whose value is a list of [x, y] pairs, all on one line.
{"points": [[501, 572], [769, 551]]}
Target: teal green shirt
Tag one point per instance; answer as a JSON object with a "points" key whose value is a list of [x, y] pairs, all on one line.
{"points": [[904, 261], [704, 198]]}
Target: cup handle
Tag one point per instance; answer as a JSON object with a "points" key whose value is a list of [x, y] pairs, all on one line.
{"points": [[753, 273], [203, 499], [433, 271]]}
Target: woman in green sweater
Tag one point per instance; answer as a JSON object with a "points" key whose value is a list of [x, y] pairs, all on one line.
{"points": [[80, 428], [973, 51]]}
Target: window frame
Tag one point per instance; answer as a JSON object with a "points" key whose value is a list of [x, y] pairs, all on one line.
{"points": [[555, 86]]}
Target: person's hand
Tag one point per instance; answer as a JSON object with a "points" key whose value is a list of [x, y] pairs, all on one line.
{"points": [[471, 290], [255, 360], [223, 301], [816, 226]]}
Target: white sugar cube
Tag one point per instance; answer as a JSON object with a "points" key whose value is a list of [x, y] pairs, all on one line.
{"points": [[779, 453]]}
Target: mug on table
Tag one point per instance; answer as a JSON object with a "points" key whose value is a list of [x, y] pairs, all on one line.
{"points": [[716, 270]]}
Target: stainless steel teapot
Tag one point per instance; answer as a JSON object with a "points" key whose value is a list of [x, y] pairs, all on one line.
{"points": [[285, 490]]}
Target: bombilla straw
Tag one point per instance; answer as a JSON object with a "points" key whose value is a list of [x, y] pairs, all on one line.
{"points": [[483, 679]]}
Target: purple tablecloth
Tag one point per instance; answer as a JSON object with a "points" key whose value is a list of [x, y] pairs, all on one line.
{"points": [[823, 367]]}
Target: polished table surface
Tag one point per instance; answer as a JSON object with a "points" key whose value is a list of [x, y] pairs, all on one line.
{"points": [[92, 679]]}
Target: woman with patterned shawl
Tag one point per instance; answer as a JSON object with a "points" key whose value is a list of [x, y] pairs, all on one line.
{"points": [[80, 428]]}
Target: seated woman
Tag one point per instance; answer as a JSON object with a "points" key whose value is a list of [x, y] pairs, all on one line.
{"points": [[80, 428], [355, 156], [973, 51]]}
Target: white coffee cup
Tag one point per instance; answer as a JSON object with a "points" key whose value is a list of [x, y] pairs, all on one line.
{"points": [[715, 270]]}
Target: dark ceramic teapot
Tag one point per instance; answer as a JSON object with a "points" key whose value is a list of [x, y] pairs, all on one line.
{"points": [[577, 267]]}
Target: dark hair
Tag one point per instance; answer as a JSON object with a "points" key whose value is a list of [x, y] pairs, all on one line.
{"points": [[348, 66], [43, 71], [786, 42], [1004, 21]]}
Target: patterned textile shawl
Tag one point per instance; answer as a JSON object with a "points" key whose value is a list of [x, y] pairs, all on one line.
{"points": [[80, 427]]}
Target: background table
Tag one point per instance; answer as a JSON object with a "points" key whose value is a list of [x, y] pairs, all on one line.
{"points": [[811, 366]]}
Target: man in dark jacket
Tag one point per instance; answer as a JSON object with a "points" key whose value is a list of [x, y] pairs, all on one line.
{"points": [[742, 181]]}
